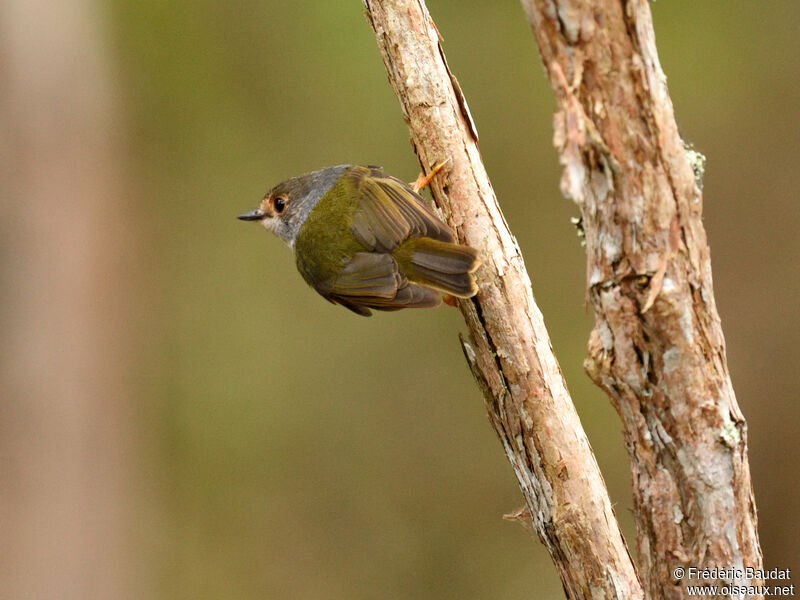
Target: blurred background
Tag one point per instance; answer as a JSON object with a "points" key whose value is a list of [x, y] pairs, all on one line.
{"points": [[181, 417]]}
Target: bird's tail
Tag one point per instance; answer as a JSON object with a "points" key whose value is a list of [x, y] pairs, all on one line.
{"points": [[440, 265]]}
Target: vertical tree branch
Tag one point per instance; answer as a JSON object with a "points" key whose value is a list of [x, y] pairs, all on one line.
{"points": [[66, 437], [510, 352], [657, 347]]}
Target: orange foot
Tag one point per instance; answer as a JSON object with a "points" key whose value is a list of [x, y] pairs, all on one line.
{"points": [[450, 300], [424, 180]]}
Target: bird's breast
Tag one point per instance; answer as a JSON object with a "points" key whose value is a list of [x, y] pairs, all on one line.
{"points": [[325, 241]]}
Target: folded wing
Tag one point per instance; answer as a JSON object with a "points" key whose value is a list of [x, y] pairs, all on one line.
{"points": [[372, 280], [390, 212]]}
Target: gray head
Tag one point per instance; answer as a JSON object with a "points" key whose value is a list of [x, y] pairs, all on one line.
{"points": [[285, 207]]}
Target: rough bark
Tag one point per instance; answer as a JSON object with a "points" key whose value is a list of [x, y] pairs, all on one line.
{"points": [[657, 347], [509, 352], [65, 432]]}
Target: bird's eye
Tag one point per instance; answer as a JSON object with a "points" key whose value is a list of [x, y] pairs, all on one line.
{"points": [[280, 204]]}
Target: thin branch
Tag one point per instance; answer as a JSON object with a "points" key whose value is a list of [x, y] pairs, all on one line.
{"points": [[657, 347], [509, 352]]}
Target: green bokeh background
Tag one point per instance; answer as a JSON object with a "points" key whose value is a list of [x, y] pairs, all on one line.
{"points": [[295, 450]]}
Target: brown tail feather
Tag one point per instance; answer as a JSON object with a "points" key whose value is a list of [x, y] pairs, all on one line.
{"points": [[440, 265]]}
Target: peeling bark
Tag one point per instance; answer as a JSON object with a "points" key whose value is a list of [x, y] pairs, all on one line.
{"points": [[509, 351], [657, 347]]}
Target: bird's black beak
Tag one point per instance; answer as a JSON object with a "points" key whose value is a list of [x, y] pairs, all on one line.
{"points": [[253, 215]]}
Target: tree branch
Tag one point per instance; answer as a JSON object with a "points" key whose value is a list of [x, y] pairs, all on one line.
{"points": [[657, 347], [509, 352], [70, 479]]}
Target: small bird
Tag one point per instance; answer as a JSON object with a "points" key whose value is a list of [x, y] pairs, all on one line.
{"points": [[366, 240]]}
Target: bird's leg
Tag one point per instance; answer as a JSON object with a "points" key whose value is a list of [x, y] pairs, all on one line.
{"points": [[424, 180], [450, 300]]}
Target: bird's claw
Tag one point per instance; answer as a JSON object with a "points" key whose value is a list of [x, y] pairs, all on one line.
{"points": [[450, 300], [425, 180]]}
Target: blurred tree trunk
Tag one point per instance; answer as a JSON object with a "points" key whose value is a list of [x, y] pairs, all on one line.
{"points": [[509, 353], [64, 423], [657, 347]]}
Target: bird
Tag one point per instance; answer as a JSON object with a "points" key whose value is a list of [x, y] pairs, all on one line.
{"points": [[368, 241]]}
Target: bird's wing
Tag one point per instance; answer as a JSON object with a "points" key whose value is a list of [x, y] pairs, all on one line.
{"points": [[368, 274], [372, 280], [389, 212]]}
